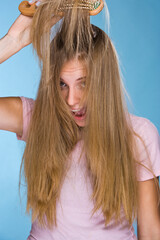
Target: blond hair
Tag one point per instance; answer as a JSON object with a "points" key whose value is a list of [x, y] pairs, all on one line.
{"points": [[108, 137]]}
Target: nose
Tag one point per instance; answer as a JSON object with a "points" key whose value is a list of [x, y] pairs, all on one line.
{"points": [[72, 97]]}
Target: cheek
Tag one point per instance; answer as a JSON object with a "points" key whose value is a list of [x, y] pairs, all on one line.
{"points": [[80, 95], [64, 94], [79, 92]]}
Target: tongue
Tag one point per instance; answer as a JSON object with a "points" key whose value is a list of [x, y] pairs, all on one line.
{"points": [[80, 113]]}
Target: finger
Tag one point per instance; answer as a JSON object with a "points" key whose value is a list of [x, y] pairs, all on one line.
{"points": [[31, 1], [35, 1], [38, 3]]}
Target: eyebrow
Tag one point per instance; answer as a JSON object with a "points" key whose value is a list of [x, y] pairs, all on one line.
{"points": [[78, 79]]}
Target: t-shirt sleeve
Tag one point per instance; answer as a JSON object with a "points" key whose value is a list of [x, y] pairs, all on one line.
{"points": [[27, 106], [150, 158]]}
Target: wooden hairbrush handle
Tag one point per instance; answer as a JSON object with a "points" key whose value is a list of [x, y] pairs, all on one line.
{"points": [[26, 9]]}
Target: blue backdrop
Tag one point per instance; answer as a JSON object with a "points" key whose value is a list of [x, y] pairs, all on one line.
{"points": [[135, 32]]}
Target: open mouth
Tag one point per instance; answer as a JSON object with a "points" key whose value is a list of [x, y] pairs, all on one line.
{"points": [[79, 113]]}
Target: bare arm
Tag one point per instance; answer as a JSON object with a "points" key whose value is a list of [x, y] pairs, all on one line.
{"points": [[148, 211], [17, 38], [8, 47], [11, 114]]}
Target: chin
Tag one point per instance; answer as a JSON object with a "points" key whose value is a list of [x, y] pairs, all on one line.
{"points": [[80, 124]]}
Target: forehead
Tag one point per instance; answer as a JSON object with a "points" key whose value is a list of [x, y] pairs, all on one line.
{"points": [[73, 68]]}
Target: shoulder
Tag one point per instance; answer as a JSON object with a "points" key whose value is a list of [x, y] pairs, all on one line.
{"points": [[27, 106], [29, 102], [148, 143], [144, 127]]}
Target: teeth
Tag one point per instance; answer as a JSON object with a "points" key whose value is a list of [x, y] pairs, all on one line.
{"points": [[79, 112], [76, 110]]}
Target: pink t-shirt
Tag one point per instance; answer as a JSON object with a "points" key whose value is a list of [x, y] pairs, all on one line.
{"points": [[74, 209]]}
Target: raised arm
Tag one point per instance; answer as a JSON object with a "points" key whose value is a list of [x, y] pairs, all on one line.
{"points": [[18, 35], [17, 38]]}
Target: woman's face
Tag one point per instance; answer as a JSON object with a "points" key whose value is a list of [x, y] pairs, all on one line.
{"points": [[72, 82]]}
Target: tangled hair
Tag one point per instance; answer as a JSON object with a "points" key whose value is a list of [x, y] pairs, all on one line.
{"points": [[108, 136]]}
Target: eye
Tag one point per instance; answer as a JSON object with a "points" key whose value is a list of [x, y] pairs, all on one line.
{"points": [[83, 84], [63, 85]]}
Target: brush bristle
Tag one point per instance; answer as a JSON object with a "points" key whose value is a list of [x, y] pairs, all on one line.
{"points": [[84, 4]]}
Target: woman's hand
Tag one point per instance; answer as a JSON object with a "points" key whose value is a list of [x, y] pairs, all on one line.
{"points": [[18, 35], [20, 30]]}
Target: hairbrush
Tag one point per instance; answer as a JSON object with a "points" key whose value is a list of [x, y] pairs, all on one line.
{"points": [[93, 6]]}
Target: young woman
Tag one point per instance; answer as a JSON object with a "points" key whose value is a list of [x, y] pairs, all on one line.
{"points": [[90, 166]]}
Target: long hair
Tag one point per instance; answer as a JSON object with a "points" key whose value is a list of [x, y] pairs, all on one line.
{"points": [[108, 137]]}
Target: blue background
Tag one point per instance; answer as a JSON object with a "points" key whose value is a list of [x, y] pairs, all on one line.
{"points": [[135, 31]]}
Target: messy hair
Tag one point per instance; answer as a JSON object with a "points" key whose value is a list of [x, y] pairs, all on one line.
{"points": [[108, 137]]}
